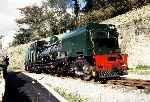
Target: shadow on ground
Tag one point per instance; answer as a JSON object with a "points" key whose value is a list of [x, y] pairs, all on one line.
{"points": [[21, 88], [12, 88]]}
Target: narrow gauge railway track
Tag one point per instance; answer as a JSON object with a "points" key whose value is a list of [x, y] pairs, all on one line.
{"points": [[137, 83]]}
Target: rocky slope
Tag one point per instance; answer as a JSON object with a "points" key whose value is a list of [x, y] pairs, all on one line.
{"points": [[134, 30]]}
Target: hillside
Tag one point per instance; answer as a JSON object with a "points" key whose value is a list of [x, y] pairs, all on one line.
{"points": [[134, 38]]}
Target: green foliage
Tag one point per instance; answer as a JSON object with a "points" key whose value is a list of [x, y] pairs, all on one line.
{"points": [[105, 9], [23, 36], [141, 67], [58, 4], [142, 70], [61, 6], [16, 68], [42, 21], [33, 16], [144, 67], [69, 96]]}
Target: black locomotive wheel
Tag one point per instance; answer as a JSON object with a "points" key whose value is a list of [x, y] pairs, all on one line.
{"points": [[86, 77], [87, 70], [38, 71]]}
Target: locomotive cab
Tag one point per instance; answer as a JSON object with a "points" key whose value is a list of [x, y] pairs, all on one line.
{"points": [[108, 58]]}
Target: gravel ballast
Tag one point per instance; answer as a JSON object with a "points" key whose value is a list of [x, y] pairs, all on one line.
{"points": [[94, 92]]}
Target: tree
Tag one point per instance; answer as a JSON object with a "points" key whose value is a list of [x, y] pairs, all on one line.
{"points": [[43, 21], [33, 16], [62, 6], [58, 5], [65, 21], [23, 36]]}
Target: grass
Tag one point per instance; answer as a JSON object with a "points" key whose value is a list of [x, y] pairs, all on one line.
{"points": [[70, 97], [16, 68], [140, 69]]}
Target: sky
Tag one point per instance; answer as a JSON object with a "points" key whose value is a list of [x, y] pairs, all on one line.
{"points": [[8, 14]]}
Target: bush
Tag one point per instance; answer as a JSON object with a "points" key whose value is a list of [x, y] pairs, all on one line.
{"points": [[143, 67]]}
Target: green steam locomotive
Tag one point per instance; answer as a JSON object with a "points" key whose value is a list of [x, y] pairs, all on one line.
{"points": [[91, 51]]}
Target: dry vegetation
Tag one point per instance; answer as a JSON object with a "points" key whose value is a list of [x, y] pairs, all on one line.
{"points": [[17, 56]]}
